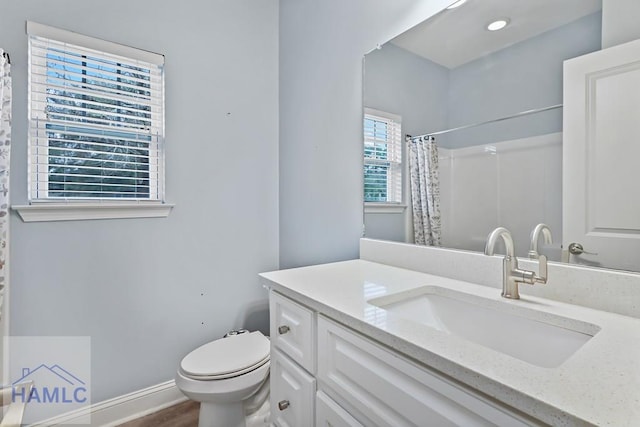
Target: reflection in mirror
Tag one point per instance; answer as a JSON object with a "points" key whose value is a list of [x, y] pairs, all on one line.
{"points": [[451, 72]]}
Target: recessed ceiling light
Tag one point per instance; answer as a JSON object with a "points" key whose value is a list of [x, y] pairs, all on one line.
{"points": [[457, 4], [498, 24]]}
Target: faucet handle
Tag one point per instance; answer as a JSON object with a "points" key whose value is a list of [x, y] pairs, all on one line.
{"points": [[542, 275]]}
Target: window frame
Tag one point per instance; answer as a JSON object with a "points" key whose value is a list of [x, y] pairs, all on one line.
{"points": [[78, 208], [387, 206]]}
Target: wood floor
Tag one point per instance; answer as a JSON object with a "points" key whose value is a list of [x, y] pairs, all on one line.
{"points": [[182, 415]]}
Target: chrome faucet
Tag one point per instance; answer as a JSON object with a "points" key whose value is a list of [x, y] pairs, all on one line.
{"points": [[511, 274], [535, 236]]}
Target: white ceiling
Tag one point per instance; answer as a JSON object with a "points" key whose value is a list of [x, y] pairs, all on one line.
{"points": [[457, 36]]}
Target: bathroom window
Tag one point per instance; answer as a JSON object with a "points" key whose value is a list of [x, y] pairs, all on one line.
{"points": [[382, 157], [96, 120]]}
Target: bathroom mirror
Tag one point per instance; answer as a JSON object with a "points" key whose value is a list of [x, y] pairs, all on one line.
{"points": [[452, 72]]}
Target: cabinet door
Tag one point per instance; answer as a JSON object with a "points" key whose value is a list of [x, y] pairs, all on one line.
{"points": [[330, 414], [387, 390], [601, 203], [292, 393], [293, 330]]}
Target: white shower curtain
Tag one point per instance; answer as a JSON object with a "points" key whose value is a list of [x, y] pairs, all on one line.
{"points": [[5, 151], [425, 190]]}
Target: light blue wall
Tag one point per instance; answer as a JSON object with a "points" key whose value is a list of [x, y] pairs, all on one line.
{"points": [[524, 76], [385, 226], [521, 77], [619, 21], [399, 82], [321, 48], [148, 291]]}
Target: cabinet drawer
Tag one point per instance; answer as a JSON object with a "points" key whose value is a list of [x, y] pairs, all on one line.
{"points": [[293, 330], [330, 414], [292, 393], [388, 390]]}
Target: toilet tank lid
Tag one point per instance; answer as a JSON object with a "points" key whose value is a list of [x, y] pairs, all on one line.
{"points": [[227, 355]]}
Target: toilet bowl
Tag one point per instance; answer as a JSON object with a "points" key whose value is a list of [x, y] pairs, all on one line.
{"points": [[227, 376]]}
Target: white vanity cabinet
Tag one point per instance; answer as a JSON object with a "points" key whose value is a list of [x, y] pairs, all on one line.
{"points": [[350, 380], [383, 388], [293, 356], [330, 414], [292, 392]]}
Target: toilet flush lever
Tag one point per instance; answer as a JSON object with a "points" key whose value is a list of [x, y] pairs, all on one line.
{"points": [[283, 329]]}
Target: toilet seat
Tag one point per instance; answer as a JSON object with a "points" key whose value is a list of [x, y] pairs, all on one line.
{"points": [[227, 375], [227, 357], [238, 388]]}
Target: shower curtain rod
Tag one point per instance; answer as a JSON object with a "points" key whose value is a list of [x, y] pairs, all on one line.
{"points": [[520, 114], [6, 55]]}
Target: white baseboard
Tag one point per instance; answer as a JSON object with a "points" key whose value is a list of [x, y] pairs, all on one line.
{"points": [[113, 412]]}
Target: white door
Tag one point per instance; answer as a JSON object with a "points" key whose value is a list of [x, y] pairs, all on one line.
{"points": [[601, 157]]}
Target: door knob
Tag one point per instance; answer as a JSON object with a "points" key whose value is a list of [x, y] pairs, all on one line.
{"points": [[578, 249]]}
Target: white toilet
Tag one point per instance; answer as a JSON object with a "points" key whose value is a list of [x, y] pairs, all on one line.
{"points": [[230, 379]]}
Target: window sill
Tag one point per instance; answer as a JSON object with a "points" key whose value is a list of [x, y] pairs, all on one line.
{"points": [[385, 208], [85, 211]]}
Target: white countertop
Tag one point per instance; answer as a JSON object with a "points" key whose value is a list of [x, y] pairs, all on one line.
{"points": [[599, 384]]}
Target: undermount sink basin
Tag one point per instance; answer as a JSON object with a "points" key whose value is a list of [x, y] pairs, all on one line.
{"points": [[533, 336]]}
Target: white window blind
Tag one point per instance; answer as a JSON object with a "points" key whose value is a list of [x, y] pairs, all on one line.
{"points": [[382, 157], [96, 119]]}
